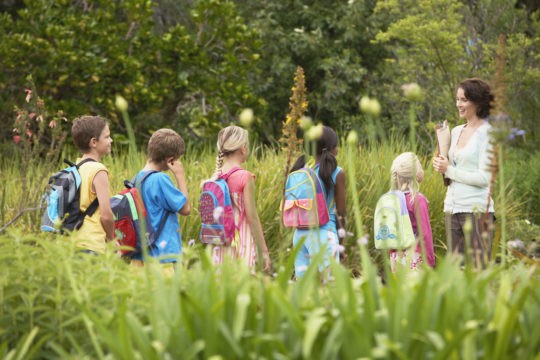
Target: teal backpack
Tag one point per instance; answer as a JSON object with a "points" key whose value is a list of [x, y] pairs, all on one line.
{"points": [[391, 224]]}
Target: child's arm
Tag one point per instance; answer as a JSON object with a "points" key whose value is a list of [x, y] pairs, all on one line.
{"points": [[101, 186], [340, 195], [177, 169], [252, 218]]}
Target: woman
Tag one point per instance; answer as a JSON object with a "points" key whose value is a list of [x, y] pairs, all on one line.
{"points": [[467, 166]]}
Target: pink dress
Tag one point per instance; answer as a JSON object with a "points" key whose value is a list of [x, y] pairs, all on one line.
{"points": [[413, 260], [243, 246]]}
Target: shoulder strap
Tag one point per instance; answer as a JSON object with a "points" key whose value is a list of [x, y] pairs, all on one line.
{"points": [[91, 209], [228, 174]]}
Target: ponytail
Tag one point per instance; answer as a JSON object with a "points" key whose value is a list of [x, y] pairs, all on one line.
{"points": [[327, 166], [300, 163]]}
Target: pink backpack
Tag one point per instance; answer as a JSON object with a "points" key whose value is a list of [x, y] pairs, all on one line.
{"points": [[215, 208]]}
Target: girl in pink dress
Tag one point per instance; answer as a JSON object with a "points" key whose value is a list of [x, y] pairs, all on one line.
{"points": [[407, 173], [233, 150]]}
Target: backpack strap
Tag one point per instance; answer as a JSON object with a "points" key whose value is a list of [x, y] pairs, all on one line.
{"points": [[229, 173], [140, 183], [91, 209]]}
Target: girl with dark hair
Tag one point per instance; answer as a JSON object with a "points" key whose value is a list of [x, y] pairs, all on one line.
{"points": [[329, 236], [468, 199]]}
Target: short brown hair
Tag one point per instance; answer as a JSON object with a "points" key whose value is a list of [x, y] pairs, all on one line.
{"points": [[165, 143], [85, 128], [478, 92]]}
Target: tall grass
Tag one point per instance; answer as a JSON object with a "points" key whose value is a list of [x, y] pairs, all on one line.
{"points": [[371, 174], [60, 304]]}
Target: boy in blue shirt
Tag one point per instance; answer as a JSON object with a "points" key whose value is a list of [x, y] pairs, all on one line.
{"points": [[162, 199]]}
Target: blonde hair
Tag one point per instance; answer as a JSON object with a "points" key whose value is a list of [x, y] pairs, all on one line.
{"points": [[163, 144], [406, 169], [229, 140]]}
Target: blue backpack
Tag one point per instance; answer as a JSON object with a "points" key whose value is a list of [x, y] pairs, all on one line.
{"points": [[392, 226], [304, 203], [62, 197]]}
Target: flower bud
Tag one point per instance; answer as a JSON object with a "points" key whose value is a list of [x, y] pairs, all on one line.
{"points": [[306, 123], [121, 103], [246, 117], [412, 92], [315, 132], [352, 138], [370, 106]]}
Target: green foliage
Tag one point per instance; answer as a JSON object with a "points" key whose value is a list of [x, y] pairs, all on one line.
{"points": [[82, 306], [81, 54]]}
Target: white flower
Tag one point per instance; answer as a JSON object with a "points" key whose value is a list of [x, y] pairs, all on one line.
{"points": [[217, 213], [191, 242], [363, 240], [162, 244]]}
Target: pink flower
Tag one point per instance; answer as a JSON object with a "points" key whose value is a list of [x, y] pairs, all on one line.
{"points": [[28, 94], [29, 133], [32, 115], [16, 139], [52, 124]]}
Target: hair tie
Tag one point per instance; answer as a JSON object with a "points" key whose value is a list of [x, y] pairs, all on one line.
{"points": [[324, 149]]}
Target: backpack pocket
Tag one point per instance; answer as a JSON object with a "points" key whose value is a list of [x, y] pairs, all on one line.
{"points": [[126, 235], [50, 216], [300, 213], [387, 231]]}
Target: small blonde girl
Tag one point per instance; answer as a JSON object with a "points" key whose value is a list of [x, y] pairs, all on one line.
{"points": [[407, 173], [233, 151]]}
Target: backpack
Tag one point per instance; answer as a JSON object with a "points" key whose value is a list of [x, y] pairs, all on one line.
{"points": [[391, 223], [304, 203], [215, 208], [62, 197], [128, 210]]}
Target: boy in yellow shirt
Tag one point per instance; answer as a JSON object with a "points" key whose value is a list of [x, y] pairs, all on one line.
{"points": [[92, 137]]}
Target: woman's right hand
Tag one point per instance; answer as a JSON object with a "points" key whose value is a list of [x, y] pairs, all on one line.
{"points": [[440, 164]]}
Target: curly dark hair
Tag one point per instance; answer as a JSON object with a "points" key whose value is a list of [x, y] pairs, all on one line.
{"points": [[478, 92]]}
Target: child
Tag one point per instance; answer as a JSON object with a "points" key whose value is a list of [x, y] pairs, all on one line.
{"points": [[233, 151], [162, 199], [333, 180], [92, 137], [407, 173]]}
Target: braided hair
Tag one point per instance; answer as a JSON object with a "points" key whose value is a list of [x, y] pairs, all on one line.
{"points": [[229, 140]]}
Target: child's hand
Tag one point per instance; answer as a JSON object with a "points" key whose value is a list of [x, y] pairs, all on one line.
{"points": [[267, 263], [175, 166]]}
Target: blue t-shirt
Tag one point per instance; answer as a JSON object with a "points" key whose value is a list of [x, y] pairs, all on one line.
{"points": [[163, 199]]}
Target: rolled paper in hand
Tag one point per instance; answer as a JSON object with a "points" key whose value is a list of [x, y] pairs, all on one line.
{"points": [[442, 132]]}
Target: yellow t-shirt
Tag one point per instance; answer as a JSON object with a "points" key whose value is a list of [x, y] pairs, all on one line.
{"points": [[91, 235]]}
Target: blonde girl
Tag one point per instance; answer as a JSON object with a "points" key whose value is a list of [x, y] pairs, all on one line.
{"points": [[407, 173], [233, 151]]}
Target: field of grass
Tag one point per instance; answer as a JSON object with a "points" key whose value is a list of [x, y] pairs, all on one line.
{"points": [[56, 303]]}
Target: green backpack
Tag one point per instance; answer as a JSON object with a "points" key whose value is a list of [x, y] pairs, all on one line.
{"points": [[392, 225]]}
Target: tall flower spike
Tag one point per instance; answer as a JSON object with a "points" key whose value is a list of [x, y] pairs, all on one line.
{"points": [[298, 104]]}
